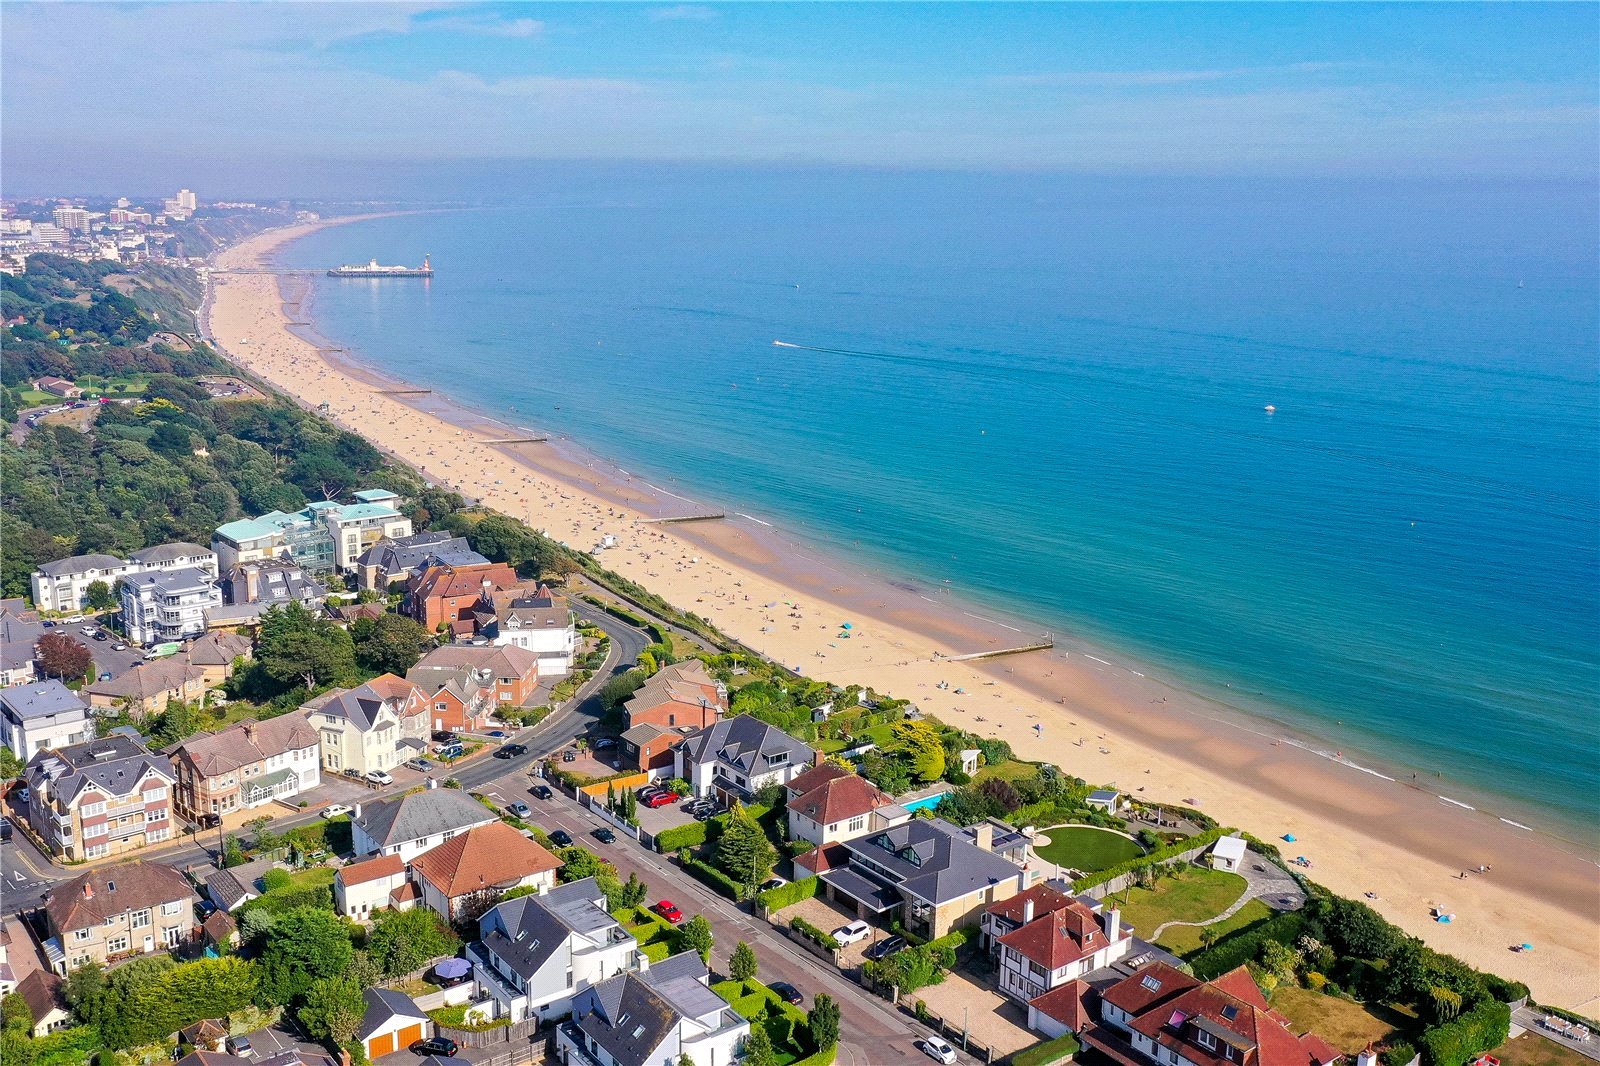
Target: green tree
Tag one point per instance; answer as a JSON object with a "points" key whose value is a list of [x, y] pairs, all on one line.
{"points": [[743, 965], [578, 863], [696, 935], [743, 852], [758, 1049], [100, 596], [634, 892], [333, 1008], [85, 991], [232, 852], [304, 945], [275, 880], [919, 739], [823, 1021], [14, 1014], [616, 691], [388, 644], [297, 648], [403, 941]]}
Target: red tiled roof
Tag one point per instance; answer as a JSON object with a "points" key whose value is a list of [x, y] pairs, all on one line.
{"points": [[359, 873], [1045, 900], [1134, 994], [1067, 1004], [1059, 938], [113, 890], [841, 798], [821, 860], [819, 774], [443, 580], [490, 855]]}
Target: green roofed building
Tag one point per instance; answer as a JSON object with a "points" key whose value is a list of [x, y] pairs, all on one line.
{"points": [[319, 537]]}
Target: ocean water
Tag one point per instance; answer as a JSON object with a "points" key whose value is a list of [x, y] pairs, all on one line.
{"points": [[1051, 393]]}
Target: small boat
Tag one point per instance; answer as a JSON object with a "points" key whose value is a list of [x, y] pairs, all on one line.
{"points": [[1269, 408]]}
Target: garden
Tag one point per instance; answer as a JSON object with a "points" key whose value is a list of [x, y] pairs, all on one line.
{"points": [[1087, 848]]}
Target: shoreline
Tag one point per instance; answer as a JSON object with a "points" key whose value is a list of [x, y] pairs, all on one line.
{"points": [[1363, 833]]}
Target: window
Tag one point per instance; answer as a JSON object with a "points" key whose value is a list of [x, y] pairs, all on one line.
{"points": [[155, 795], [81, 934], [1205, 1039], [89, 810], [117, 944], [140, 919], [858, 824], [172, 908], [171, 935], [159, 815], [96, 830]]}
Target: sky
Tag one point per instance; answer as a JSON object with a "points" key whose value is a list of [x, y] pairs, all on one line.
{"points": [[251, 97]]}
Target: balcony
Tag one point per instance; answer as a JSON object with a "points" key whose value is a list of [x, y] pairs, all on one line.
{"points": [[570, 1047]]}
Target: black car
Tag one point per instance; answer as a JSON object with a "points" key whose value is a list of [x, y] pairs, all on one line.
{"points": [[561, 838], [505, 752], [605, 836], [786, 992], [5, 829], [515, 749], [435, 1045], [885, 947], [541, 792], [444, 736]]}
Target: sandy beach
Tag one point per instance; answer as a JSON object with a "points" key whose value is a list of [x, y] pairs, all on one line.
{"points": [[1093, 718]]}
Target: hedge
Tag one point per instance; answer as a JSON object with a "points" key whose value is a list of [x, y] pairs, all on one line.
{"points": [[680, 837], [1171, 851], [812, 933], [953, 941], [710, 876], [824, 1057], [1454, 1043], [775, 899], [1047, 1052], [1234, 951]]}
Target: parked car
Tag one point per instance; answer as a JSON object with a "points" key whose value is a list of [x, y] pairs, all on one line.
{"points": [[240, 1045], [379, 777], [603, 743], [669, 910], [204, 909], [520, 809], [441, 1045], [561, 838], [569, 756], [105, 675], [497, 734], [773, 882], [333, 810], [449, 751], [786, 992], [938, 1049], [420, 763], [542, 792], [661, 799], [852, 933], [209, 821], [604, 835], [445, 736], [885, 947], [5, 829]]}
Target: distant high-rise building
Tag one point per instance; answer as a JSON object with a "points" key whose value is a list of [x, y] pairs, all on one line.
{"points": [[48, 233], [122, 201], [187, 201], [72, 219]]}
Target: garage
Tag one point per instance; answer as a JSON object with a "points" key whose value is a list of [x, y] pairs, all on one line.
{"points": [[392, 1023], [410, 1035], [378, 1046]]}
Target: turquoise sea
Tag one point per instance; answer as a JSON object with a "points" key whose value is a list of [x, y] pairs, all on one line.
{"points": [[1052, 392]]}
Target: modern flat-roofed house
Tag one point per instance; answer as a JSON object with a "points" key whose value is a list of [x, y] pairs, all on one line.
{"points": [[664, 1014], [1229, 853], [828, 803], [166, 605], [177, 555], [63, 585], [535, 620], [146, 688], [534, 953], [409, 825], [375, 726], [681, 694], [478, 864], [936, 879], [246, 765], [737, 757], [131, 908], [319, 537], [44, 714], [99, 798], [394, 559], [1162, 1015]]}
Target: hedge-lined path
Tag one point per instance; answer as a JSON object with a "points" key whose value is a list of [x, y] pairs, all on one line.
{"points": [[1270, 884]]}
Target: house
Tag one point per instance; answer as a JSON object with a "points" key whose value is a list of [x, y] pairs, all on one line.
{"points": [[1008, 915], [681, 694], [370, 885], [392, 1022], [246, 765], [409, 825], [177, 555], [131, 908], [1161, 1015], [394, 559], [373, 727], [1065, 945], [534, 953], [319, 537], [1064, 1009], [828, 803], [215, 653], [650, 747], [235, 886], [164, 605], [8, 974], [44, 714], [537, 621], [665, 1014], [63, 585], [207, 1034], [270, 583], [466, 683], [98, 798], [146, 688], [442, 594], [737, 757], [937, 879], [480, 864], [58, 387], [219, 931], [1228, 854], [20, 630], [42, 991], [346, 614]]}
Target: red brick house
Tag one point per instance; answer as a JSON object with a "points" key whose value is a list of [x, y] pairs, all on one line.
{"points": [[681, 695], [649, 747], [447, 594]]}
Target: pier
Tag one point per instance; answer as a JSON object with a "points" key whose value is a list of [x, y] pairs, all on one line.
{"points": [[680, 519], [1044, 645]]}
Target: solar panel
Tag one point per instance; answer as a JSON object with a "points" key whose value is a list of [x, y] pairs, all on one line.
{"points": [[1150, 983]]}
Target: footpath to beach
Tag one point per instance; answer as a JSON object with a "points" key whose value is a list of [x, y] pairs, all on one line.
{"points": [[1363, 833]]}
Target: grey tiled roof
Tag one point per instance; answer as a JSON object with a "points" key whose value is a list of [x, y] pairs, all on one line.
{"points": [[114, 765], [40, 699], [79, 564], [747, 743], [431, 812], [384, 1004], [165, 553], [932, 863]]}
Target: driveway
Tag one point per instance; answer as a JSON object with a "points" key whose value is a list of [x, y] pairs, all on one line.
{"points": [[989, 1018], [655, 820]]}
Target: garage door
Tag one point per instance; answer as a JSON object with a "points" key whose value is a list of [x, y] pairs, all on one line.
{"points": [[379, 1046], [410, 1035]]}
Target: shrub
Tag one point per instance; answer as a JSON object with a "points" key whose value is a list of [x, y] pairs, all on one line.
{"points": [[710, 876], [1047, 1052], [775, 899], [1234, 951], [813, 934], [1485, 1026], [680, 837], [1398, 1054], [1171, 851]]}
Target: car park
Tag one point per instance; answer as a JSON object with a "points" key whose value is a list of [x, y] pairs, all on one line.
{"points": [[436, 1045], [561, 838], [379, 777], [852, 933], [669, 910], [604, 835], [333, 810], [885, 947], [520, 809], [938, 1049], [786, 992], [542, 792], [420, 763]]}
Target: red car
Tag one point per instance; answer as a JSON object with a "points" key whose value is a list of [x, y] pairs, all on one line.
{"points": [[660, 799], [669, 910]]}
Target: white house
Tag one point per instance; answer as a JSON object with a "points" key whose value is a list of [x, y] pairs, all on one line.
{"points": [[1228, 854], [1063, 945], [363, 887], [737, 757], [372, 727], [409, 825], [665, 1014], [45, 714], [166, 605], [63, 585], [541, 623]]}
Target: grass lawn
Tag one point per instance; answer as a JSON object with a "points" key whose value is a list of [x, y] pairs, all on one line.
{"points": [[881, 735], [1346, 1025], [312, 876], [1184, 940], [1086, 848], [1531, 1049], [1193, 895], [760, 1005], [657, 937], [1010, 770]]}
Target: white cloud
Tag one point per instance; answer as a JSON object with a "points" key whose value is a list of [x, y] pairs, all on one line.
{"points": [[486, 26], [682, 13]]}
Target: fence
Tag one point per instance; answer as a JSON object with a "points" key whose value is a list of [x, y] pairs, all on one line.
{"points": [[951, 1031], [525, 1032]]}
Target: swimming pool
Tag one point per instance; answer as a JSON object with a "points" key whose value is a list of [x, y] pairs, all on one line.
{"points": [[925, 802]]}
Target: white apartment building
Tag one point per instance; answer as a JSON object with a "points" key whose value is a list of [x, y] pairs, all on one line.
{"points": [[63, 585], [163, 605], [319, 537]]}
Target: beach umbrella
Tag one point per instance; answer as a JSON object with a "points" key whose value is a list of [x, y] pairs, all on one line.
{"points": [[450, 968], [1527, 947], [1289, 837], [846, 625]]}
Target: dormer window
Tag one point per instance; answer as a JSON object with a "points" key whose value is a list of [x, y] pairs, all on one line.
{"points": [[1205, 1040]]}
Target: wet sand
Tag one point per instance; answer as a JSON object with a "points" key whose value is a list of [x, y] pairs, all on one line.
{"points": [[1103, 721]]}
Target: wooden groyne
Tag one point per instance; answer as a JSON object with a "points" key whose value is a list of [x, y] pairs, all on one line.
{"points": [[516, 440], [680, 519], [1044, 645], [402, 392]]}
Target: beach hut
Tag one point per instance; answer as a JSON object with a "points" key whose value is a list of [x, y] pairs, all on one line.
{"points": [[1228, 854]]}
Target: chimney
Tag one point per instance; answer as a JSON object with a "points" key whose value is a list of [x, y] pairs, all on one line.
{"points": [[355, 815], [983, 835], [88, 890], [1367, 1058], [1027, 910], [1111, 921], [250, 732]]}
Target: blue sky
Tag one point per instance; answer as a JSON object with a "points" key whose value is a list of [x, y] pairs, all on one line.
{"points": [[1503, 90]]}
